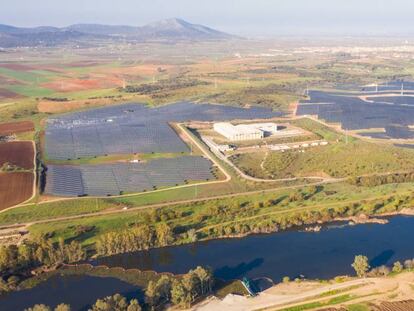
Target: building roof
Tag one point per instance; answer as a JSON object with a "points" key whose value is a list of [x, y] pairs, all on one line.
{"points": [[237, 129]]}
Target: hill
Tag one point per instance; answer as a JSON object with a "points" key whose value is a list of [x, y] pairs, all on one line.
{"points": [[166, 30]]}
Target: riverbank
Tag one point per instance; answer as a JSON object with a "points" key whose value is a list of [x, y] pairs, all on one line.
{"points": [[316, 295], [290, 253], [102, 278]]}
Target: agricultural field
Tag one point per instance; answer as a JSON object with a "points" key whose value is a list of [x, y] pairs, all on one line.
{"points": [[16, 128], [17, 155], [17, 164], [15, 188]]}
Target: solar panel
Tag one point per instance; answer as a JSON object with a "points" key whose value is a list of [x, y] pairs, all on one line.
{"points": [[133, 128], [395, 114], [114, 179]]}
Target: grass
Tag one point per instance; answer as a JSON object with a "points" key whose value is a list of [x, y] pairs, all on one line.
{"points": [[190, 214], [31, 90], [320, 304], [358, 307], [338, 159], [35, 212], [24, 76], [114, 158]]}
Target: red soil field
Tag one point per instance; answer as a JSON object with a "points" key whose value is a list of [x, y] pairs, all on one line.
{"points": [[8, 94], [16, 127], [9, 81], [17, 153], [73, 85], [83, 64], [15, 188], [397, 306], [17, 67]]}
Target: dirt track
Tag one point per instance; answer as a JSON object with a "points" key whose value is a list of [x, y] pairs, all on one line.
{"points": [[293, 294]]}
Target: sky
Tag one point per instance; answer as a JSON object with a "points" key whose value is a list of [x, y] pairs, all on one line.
{"points": [[242, 17]]}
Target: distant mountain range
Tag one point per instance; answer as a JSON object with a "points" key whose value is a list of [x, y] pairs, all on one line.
{"points": [[165, 30]]}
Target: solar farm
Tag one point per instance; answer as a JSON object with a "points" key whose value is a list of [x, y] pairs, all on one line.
{"points": [[368, 110], [132, 128], [129, 129], [119, 178]]}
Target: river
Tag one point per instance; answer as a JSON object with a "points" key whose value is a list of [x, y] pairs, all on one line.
{"points": [[323, 255]]}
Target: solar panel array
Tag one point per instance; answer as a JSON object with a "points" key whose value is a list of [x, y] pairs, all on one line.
{"points": [[390, 86], [132, 128], [396, 115], [117, 178]]}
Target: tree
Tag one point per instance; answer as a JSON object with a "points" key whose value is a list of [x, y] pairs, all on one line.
{"points": [[384, 270], [206, 279], [134, 305], [163, 288], [361, 265], [39, 308], [190, 283], [398, 267], [178, 293], [192, 235], [286, 279], [3, 286], [164, 234], [111, 303], [151, 294], [63, 307], [409, 264]]}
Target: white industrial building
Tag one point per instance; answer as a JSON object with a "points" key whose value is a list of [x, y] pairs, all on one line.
{"points": [[245, 131]]}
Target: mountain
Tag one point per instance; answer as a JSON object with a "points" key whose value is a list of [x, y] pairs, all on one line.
{"points": [[108, 30], [166, 30], [180, 29], [11, 30]]}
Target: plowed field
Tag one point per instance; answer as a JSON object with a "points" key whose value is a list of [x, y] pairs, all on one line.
{"points": [[18, 153], [16, 127], [15, 188]]}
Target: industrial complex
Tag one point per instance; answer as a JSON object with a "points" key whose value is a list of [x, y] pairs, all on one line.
{"points": [[245, 131]]}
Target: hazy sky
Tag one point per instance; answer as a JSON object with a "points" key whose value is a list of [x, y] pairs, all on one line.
{"points": [[246, 17]]}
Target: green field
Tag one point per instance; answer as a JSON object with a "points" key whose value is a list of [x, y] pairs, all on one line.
{"points": [[254, 209], [342, 157]]}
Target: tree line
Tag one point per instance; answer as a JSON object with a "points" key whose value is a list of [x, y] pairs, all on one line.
{"points": [[140, 237], [377, 180], [180, 291], [111, 303], [163, 85], [40, 252], [166, 231], [363, 269]]}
